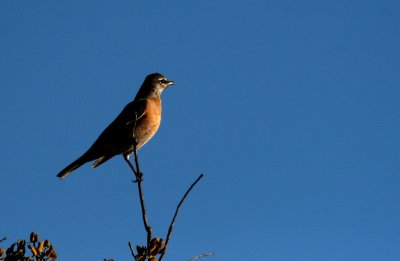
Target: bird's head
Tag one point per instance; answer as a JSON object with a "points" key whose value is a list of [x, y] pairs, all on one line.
{"points": [[153, 86]]}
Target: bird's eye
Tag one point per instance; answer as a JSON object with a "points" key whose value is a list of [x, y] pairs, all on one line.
{"points": [[163, 81]]}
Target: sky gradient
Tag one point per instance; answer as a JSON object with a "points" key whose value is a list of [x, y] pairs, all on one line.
{"points": [[290, 109]]}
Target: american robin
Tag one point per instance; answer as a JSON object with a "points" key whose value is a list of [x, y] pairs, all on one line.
{"points": [[133, 127]]}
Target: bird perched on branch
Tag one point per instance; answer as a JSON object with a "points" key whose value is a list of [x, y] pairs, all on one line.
{"points": [[133, 127]]}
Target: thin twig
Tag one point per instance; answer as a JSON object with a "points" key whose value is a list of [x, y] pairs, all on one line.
{"points": [[132, 252], [171, 226], [3, 239], [144, 213], [138, 175], [201, 256]]}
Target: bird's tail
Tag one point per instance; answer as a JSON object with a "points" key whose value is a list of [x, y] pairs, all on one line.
{"points": [[101, 160], [73, 166]]}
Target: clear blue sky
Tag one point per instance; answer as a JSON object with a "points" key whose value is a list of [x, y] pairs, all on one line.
{"points": [[290, 109]]}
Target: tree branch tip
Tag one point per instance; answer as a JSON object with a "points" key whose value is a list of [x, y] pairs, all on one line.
{"points": [[199, 178], [132, 252], [201, 256]]}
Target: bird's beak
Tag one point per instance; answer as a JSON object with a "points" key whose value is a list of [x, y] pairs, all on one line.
{"points": [[170, 83]]}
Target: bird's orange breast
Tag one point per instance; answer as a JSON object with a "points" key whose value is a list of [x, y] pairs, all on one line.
{"points": [[148, 125]]}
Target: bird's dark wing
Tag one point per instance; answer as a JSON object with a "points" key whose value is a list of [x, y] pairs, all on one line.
{"points": [[119, 133], [132, 112], [113, 140], [139, 108]]}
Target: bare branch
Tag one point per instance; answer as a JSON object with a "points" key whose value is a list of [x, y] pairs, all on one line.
{"points": [[144, 213], [171, 227], [138, 175], [201, 256], [132, 252]]}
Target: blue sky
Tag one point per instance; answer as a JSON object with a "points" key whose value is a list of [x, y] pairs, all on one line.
{"points": [[290, 109]]}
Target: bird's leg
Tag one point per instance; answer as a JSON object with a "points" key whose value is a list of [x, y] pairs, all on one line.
{"points": [[137, 174], [126, 158], [136, 170]]}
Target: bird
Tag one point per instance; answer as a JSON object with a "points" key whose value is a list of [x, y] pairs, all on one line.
{"points": [[131, 129]]}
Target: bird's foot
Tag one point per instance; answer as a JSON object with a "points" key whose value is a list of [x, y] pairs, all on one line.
{"points": [[139, 177]]}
